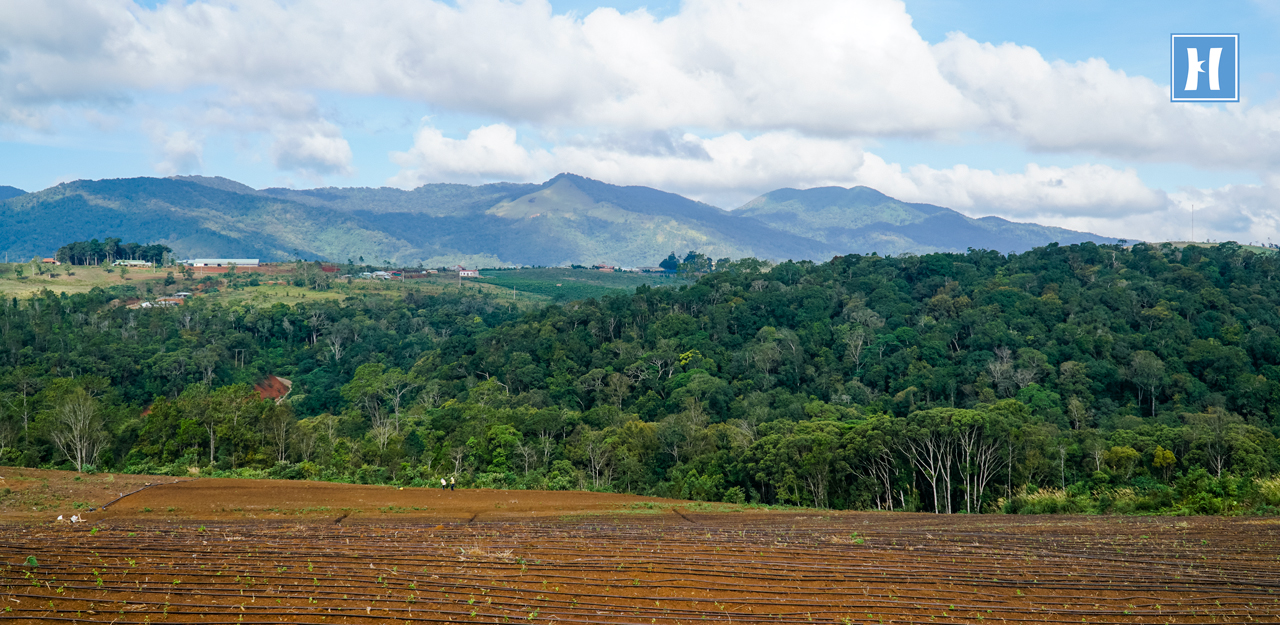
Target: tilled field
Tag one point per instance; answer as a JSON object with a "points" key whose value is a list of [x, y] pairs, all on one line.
{"points": [[670, 566]]}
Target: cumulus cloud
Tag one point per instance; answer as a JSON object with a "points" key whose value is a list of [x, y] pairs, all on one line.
{"points": [[726, 169], [821, 66], [818, 67], [1233, 212], [782, 94], [730, 169], [1088, 106], [489, 153], [314, 149], [302, 139], [1037, 192], [179, 151]]}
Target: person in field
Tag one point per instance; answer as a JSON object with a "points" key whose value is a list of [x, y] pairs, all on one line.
{"points": [[442, 484], [450, 482]]}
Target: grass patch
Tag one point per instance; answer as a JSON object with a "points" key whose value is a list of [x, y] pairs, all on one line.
{"points": [[565, 285], [269, 294], [85, 279]]}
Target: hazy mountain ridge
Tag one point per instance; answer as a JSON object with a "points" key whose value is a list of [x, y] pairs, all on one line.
{"points": [[863, 220], [568, 219], [194, 219]]}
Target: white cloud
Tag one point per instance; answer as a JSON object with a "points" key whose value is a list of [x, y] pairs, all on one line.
{"points": [[302, 140], [730, 169], [844, 68], [1088, 106], [1040, 193], [782, 94], [179, 151], [314, 149], [727, 170], [1234, 212], [489, 153]]}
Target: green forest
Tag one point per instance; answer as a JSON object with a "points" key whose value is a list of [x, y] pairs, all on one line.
{"points": [[1071, 379]]}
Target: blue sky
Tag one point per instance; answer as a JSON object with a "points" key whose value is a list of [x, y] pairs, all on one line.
{"points": [[1047, 112]]}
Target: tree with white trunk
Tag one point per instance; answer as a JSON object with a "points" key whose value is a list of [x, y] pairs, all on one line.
{"points": [[76, 428]]}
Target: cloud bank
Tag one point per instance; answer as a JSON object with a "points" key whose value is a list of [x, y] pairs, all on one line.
{"points": [[724, 99]]}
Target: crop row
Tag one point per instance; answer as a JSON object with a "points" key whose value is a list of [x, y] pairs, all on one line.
{"points": [[659, 569]]}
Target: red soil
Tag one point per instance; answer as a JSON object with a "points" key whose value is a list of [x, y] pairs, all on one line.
{"points": [[272, 387], [265, 552]]}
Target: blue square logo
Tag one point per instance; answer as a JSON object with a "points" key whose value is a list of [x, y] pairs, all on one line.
{"points": [[1206, 68]]}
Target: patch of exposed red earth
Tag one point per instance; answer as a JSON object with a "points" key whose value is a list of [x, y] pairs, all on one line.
{"points": [[234, 551]]}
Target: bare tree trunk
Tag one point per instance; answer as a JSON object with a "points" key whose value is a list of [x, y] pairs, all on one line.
{"points": [[209, 426], [967, 440], [78, 433], [929, 457], [989, 462], [458, 454]]}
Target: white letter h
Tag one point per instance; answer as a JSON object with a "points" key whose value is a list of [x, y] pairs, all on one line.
{"points": [[1194, 68]]}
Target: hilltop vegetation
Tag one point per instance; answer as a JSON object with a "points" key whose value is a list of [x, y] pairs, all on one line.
{"points": [[863, 220], [566, 220], [1069, 378]]}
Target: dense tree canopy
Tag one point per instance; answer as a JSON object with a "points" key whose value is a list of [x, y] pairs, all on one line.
{"points": [[1066, 378], [95, 252]]}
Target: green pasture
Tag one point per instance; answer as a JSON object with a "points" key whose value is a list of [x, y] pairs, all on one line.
{"points": [[68, 278], [565, 285], [515, 286]]}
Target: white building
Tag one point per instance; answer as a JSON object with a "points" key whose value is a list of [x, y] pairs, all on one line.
{"points": [[222, 262]]}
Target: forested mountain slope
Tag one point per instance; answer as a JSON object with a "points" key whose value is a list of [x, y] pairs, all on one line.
{"points": [[195, 220], [566, 220], [1068, 378], [863, 220]]}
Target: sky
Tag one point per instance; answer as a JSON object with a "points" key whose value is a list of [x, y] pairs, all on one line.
{"points": [[1051, 112]]}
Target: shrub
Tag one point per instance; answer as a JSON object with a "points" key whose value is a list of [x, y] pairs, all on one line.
{"points": [[371, 475], [1269, 490], [286, 471], [1046, 501], [562, 476], [494, 480]]}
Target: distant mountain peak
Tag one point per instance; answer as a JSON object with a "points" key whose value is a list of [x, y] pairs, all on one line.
{"points": [[863, 220], [567, 219], [10, 192]]}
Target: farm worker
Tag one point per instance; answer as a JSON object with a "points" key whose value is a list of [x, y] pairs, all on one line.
{"points": [[442, 484], [450, 482]]}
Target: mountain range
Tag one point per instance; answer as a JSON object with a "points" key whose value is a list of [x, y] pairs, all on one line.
{"points": [[568, 219]]}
